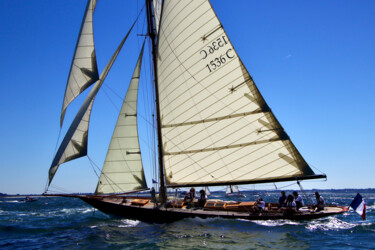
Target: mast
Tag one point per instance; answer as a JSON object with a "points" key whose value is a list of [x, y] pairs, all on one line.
{"points": [[152, 34]]}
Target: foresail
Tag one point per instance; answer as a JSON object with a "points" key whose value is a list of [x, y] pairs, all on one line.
{"points": [[123, 170], [74, 144], [216, 127], [84, 70]]}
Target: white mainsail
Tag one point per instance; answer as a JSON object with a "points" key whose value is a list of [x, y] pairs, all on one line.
{"points": [[216, 126], [74, 144], [84, 69], [123, 170]]}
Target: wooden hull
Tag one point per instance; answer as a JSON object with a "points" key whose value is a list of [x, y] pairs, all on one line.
{"points": [[152, 214]]}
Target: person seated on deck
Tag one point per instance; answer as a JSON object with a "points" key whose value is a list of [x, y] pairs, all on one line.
{"points": [[260, 206], [298, 200], [282, 200], [290, 207], [202, 199], [319, 202], [189, 197]]}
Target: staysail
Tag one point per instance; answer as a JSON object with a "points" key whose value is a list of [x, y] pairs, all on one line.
{"points": [[123, 170], [74, 144], [216, 127], [84, 70]]}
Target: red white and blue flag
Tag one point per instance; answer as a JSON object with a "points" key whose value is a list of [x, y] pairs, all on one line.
{"points": [[358, 204]]}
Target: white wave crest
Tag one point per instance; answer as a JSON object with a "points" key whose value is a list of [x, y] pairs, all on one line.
{"points": [[12, 201], [87, 210], [370, 207], [331, 223], [129, 223], [275, 223]]}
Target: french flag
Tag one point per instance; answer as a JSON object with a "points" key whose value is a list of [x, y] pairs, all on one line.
{"points": [[359, 206]]}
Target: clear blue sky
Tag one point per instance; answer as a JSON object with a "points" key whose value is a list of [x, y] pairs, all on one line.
{"points": [[313, 61]]}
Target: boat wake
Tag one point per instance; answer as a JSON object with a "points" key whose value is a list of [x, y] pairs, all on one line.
{"points": [[330, 223], [275, 223]]}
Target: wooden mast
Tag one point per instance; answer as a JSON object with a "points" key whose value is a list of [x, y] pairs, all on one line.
{"points": [[152, 35]]}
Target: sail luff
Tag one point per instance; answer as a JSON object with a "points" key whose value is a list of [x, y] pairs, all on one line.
{"points": [[84, 70], [70, 145], [216, 127], [155, 44], [122, 170]]}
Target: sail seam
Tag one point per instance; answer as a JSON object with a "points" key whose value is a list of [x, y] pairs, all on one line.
{"points": [[213, 119], [221, 148], [206, 88]]}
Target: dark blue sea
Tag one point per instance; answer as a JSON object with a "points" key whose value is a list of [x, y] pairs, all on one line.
{"points": [[69, 223]]}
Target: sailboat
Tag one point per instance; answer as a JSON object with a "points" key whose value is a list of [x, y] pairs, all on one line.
{"points": [[213, 127], [233, 191]]}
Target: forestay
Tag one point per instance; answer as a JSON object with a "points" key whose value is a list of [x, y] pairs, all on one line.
{"points": [[123, 170], [216, 127]]}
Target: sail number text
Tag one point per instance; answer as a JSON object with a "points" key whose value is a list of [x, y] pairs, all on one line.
{"points": [[216, 45], [218, 61], [221, 59]]}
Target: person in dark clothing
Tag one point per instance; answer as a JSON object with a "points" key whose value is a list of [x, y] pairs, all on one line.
{"points": [[282, 199], [189, 197], [202, 199]]}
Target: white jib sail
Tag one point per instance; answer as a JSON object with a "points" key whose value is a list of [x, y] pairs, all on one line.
{"points": [[123, 170], [216, 127], [84, 70], [74, 144]]}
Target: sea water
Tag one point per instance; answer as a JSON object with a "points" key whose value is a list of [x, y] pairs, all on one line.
{"points": [[69, 223]]}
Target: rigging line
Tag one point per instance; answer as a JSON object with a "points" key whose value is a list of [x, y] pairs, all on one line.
{"points": [[56, 147], [46, 186], [57, 141], [303, 191], [110, 182], [93, 165], [287, 186], [60, 189], [109, 98], [316, 168], [147, 109]]}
